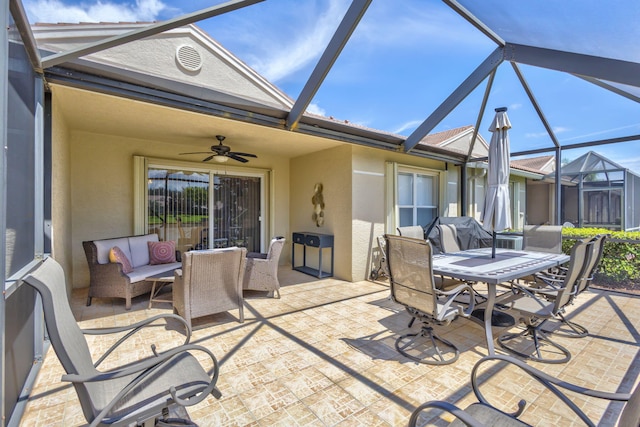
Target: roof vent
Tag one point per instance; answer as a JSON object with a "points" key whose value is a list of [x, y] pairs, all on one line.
{"points": [[189, 58]]}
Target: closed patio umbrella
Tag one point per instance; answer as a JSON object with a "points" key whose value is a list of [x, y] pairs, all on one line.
{"points": [[496, 214]]}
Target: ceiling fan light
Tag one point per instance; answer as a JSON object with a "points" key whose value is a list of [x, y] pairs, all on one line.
{"points": [[220, 159]]}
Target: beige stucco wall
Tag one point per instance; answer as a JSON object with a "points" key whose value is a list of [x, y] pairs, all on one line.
{"points": [[369, 202], [332, 168], [538, 204], [368, 206], [61, 233], [101, 190], [156, 56]]}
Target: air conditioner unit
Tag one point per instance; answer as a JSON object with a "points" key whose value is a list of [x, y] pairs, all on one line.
{"points": [[509, 242]]}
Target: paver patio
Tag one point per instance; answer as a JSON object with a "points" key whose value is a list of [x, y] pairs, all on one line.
{"points": [[323, 355]]}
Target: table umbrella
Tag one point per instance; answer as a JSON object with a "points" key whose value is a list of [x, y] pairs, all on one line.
{"points": [[496, 214]]}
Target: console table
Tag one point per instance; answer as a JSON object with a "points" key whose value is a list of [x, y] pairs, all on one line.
{"points": [[314, 240]]}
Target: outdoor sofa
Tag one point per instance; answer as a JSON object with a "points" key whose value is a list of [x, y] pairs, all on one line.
{"points": [[125, 277]]}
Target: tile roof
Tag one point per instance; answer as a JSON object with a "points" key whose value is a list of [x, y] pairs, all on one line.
{"points": [[438, 138], [542, 164]]}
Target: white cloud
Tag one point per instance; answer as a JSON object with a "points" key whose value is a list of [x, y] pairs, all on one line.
{"points": [[311, 38], [54, 11], [316, 109], [556, 131], [602, 132], [408, 125]]}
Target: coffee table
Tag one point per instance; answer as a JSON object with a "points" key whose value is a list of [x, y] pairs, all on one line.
{"points": [[159, 282]]}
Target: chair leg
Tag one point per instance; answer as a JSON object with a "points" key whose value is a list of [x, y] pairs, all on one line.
{"points": [[407, 343], [540, 340], [575, 330], [88, 301]]}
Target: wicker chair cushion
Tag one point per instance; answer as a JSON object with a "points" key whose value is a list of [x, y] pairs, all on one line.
{"points": [[162, 252], [116, 255]]}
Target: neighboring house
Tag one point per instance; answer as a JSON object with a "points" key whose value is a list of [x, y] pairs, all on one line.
{"points": [[540, 200], [597, 192]]}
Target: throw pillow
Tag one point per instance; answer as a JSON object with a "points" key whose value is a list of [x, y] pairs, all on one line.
{"points": [[162, 252], [116, 255]]}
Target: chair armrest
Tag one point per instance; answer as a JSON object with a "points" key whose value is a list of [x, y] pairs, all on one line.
{"points": [[553, 384], [448, 407], [133, 328], [453, 294], [150, 367]]}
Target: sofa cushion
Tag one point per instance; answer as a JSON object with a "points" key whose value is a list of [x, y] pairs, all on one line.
{"points": [[162, 252], [104, 246], [140, 249], [146, 271], [116, 255]]}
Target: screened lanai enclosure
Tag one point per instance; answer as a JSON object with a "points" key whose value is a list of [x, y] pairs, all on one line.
{"points": [[521, 54], [597, 192]]}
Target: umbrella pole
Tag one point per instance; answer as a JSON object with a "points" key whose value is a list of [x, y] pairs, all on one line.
{"points": [[493, 245]]}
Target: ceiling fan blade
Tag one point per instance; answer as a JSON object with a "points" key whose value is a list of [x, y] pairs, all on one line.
{"points": [[244, 154], [197, 152], [208, 158], [234, 157]]}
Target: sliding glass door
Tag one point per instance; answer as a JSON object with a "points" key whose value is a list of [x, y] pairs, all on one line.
{"points": [[205, 209]]}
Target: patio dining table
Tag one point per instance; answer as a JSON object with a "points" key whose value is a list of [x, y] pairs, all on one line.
{"points": [[477, 265]]}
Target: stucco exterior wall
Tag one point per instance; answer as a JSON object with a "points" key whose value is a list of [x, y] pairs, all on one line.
{"points": [[538, 204], [101, 190], [62, 233], [332, 168], [368, 206], [157, 56], [369, 202]]}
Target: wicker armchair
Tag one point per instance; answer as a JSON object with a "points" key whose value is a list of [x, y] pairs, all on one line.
{"points": [[210, 282], [261, 273]]}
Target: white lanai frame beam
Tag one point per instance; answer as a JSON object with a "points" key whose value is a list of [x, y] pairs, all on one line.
{"points": [[535, 104], [483, 107], [614, 89], [611, 70], [456, 97], [190, 18], [473, 20], [328, 58]]}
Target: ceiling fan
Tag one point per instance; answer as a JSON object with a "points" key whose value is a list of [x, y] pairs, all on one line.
{"points": [[221, 153]]}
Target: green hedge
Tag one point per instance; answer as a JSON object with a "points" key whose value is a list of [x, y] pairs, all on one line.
{"points": [[620, 264]]}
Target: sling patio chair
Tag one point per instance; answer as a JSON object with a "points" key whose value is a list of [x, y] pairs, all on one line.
{"points": [[536, 309], [414, 231], [448, 238], [548, 283], [412, 285], [483, 413], [137, 393], [542, 238]]}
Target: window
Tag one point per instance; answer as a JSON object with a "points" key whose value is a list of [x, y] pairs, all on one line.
{"points": [[417, 198]]}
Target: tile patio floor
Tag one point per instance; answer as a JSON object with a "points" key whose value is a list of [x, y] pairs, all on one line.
{"points": [[323, 355]]}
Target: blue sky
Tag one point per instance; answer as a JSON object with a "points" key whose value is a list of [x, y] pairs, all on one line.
{"points": [[403, 60]]}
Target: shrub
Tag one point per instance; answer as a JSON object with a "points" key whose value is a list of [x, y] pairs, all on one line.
{"points": [[620, 263]]}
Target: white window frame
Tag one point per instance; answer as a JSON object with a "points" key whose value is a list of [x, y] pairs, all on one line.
{"points": [[393, 207]]}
